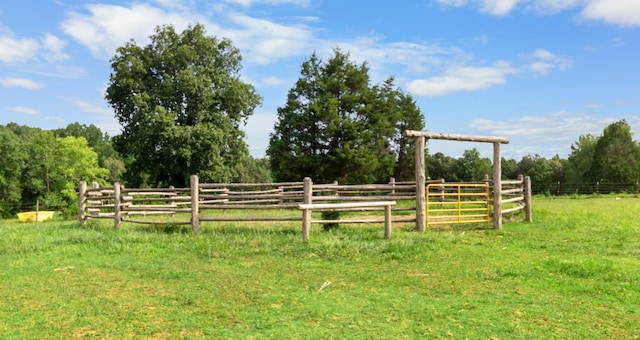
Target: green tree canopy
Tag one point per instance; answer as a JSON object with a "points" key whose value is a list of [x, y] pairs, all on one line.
{"points": [[509, 168], [471, 167], [181, 104], [616, 156], [12, 164], [581, 158], [336, 126], [100, 142], [37, 166], [440, 166]]}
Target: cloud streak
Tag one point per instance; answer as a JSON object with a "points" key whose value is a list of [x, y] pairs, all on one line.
{"points": [[20, 82], [23, 110], [463, 78], [624, 13]]}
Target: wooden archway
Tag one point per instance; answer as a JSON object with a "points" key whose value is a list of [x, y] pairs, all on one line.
{"points": [[421, 137]]}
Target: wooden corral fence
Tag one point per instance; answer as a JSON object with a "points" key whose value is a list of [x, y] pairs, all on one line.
{"points": [[517, 193], [128, 204]]}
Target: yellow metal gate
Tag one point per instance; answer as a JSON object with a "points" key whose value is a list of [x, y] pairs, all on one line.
{"points": [[455, 203]]}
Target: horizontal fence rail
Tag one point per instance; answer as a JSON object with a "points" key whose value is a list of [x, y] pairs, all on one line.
{"points": [[189, 206]]}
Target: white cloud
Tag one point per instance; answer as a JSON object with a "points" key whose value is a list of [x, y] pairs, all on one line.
{"points": [[20, 82], [101, 115], [107, 27], [92, 108], [24, 110], [53, 119], [561, 126], [547, 135], [554, 6], [265, 41], [499, 7], [273, 81], [14, 50], [248, 3], [454, 3], [616, 12], [53, 48], [482, 39], [19, 50], [416, 58], [462, 78], [495, 7], [543, 62]]}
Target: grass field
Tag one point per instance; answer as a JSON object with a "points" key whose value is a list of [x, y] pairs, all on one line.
{"points": [[572, 273]]}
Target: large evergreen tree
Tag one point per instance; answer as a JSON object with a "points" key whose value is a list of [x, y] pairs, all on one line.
{"points": [[181, 102], [336, 126]]}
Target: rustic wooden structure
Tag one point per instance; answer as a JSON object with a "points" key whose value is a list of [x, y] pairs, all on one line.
{"points": [[421, 137], [127, 205], [124, 204], [517, 191], [307, 209]]}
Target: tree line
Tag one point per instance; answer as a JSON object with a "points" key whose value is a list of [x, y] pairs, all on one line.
{"points": [[181, 104], [609, 162]]}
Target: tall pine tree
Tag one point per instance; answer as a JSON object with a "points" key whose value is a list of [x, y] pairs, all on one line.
{"points": [[336, 126]]}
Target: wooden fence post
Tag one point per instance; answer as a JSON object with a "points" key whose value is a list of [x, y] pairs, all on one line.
{"points": [[195, 190], [116, 206], [387, 221], [497, 187], [307, 185], [421, 215], [527, 199], [82, 201]]}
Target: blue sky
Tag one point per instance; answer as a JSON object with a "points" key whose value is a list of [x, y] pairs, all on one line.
{"points": [[540, 72]]}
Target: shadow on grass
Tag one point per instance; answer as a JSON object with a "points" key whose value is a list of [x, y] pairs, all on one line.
{"points": [[227, 229], [461, 227]]}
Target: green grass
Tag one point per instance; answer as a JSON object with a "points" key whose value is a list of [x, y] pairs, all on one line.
{"points": [[572, 273]]}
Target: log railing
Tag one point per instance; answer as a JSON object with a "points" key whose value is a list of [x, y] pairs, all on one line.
{"points": [[126, 205], [133, 205]]}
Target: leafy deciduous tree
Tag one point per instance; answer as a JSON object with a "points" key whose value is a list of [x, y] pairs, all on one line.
{"points": [[181, 102], [12, 164], [616, 156], [471, 167], [440, 166], [101, 143], [509, 168], [581, 158]]}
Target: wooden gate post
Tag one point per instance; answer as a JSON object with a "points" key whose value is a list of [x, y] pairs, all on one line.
{"points": [[82, 201], [421, 215], [497, 187], [307, 185], [195, 190]]}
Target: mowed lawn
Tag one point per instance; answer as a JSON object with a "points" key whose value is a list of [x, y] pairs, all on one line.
{"points": [[572, 273]]}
